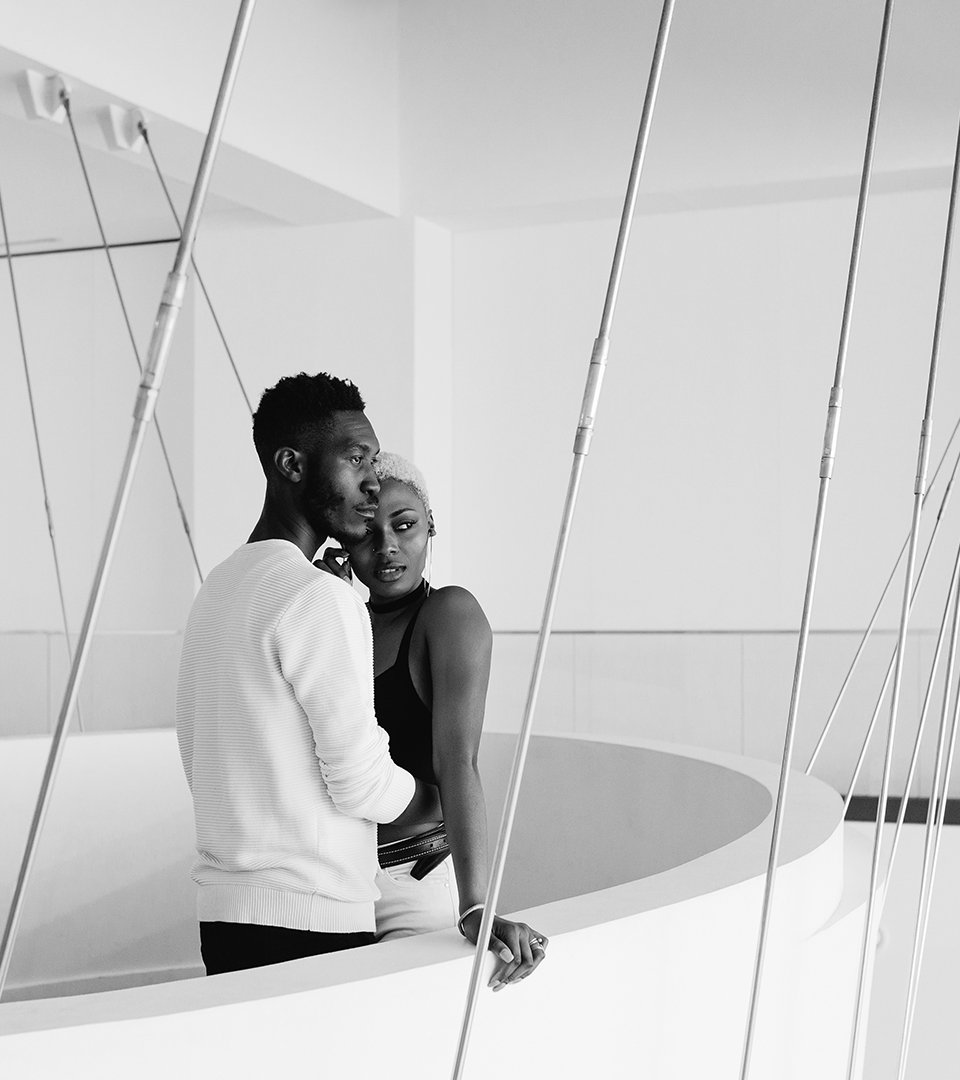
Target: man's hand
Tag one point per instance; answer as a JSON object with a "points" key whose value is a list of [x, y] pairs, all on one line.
{"points": [[336, 561]]}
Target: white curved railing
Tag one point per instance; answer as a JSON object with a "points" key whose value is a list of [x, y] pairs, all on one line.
{"points": [[650, 896]]}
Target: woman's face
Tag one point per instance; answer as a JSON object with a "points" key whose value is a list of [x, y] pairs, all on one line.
{"points": [[390, 559]]}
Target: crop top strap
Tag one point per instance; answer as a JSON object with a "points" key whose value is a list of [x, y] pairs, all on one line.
{"points": [[403, 653]]}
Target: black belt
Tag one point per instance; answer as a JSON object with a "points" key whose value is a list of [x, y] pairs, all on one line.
{"points": [[426, 851]]}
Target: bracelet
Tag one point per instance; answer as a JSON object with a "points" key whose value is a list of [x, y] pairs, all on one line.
{"points": [[469, 911]]}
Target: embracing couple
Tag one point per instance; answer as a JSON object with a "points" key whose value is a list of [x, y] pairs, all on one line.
{"points": [[331, 748]]}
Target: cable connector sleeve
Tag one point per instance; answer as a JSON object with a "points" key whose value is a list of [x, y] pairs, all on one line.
{"points": [[591, 396]]}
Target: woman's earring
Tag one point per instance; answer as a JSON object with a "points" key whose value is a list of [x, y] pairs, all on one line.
{"points": [[429, 562]]}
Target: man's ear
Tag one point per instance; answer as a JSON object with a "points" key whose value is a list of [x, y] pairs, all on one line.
{"points": [[290, 464], [431, 529]]}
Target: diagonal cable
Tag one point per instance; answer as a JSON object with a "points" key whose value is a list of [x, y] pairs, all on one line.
{"points": [[142, 128], [36, 438], [883, 594], [937, 795], [871, 727], [924, 713], [871, 917], [936, 810], [65, 98]]}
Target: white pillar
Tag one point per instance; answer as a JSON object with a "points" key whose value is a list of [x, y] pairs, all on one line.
{"points": [[433, 382]]}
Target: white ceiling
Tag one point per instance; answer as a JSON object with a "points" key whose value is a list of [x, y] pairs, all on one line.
{"points": [[47, 203], [518, 111], [508, 105]]}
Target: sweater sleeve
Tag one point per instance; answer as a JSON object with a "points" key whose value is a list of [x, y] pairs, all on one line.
{"points": [[325, 649]]}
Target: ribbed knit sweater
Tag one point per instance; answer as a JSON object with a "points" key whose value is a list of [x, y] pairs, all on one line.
{"points": [[287, 766]]}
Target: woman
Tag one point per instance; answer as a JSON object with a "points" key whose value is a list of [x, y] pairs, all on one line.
{"points": [[431, 665]]}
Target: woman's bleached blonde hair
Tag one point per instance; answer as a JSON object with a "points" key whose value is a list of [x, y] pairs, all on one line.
{"points": [[394, 467]]}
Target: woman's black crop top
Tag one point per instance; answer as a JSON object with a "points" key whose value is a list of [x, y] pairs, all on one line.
{"points": [[402, 714]]}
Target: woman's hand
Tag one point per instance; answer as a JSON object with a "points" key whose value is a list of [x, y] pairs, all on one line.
{"points": [[519, 947], [336, 561]]}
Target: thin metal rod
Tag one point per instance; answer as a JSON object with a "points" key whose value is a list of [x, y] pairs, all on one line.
{"points": [[65, 98], [871, 727], [48, 509], [86, 247], [921, 727], [934, 809], [923, 458], [870, 730], [883, 595], [931, 853], [143, 413], [826, 471], [591, 400], [142, 128]]}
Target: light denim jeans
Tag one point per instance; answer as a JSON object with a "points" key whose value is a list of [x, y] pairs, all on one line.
{"points": [[407, 906]]}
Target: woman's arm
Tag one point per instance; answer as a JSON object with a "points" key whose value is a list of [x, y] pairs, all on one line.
{"points": [[459, 645]]}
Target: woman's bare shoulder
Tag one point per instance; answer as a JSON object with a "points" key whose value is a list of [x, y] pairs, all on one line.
{"points": [[453, 608]]}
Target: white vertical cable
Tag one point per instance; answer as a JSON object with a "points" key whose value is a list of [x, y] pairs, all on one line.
{"points": [[826, 472], [591, 400]]}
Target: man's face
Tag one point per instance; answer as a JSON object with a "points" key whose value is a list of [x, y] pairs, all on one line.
{"points": [[340, 494]]}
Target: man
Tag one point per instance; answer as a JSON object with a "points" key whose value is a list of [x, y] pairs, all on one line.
{"points": [[288, 769]]}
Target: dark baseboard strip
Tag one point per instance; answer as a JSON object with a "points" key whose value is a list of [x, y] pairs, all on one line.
{"points": [[864, 808]]}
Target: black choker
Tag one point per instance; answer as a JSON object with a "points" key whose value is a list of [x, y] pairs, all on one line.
{"points": [[401, 601]]}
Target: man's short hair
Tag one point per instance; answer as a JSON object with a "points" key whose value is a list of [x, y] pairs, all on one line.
{"points": [[298, 410]]}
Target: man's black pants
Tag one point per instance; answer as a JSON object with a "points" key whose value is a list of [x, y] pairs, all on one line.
{"points": [[227, 946]]}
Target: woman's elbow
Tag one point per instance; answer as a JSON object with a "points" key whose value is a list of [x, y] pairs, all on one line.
{"points": [[455, 768]]}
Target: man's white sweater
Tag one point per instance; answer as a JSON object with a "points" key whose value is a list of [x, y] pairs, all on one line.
{"points": [[287, 766]]}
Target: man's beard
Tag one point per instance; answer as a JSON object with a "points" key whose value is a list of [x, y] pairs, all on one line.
{"points": [[325, 510]]}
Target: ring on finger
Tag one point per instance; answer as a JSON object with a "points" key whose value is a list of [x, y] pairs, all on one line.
{"points": [[538, 943]]}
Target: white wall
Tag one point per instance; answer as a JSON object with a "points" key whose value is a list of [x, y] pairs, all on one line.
{"points": [[726, 691], [471, 348], [697, 505], [85, 378], [433, 383], [370, 301], [337, 298], [334, 298], [688, 555]]}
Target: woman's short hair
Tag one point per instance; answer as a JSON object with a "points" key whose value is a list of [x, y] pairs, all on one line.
{"points": [[394, 467]]}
